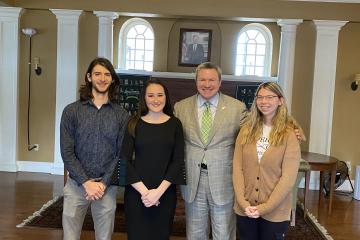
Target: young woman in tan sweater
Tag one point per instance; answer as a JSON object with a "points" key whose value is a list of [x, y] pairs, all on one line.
{"points": [[265, 165]]}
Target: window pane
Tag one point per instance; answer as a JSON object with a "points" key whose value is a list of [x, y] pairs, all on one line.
{"points": [[260, 60], [140, 43], [260, 38], [130, 54], [131, 33], [140, 29], [249, 70], [250, 60], [251, 41], [149, 56], [130, 43], [260, 50], [252, 34], [149, 44], [251, 49], [239, 70], [241, 48], [148, 66], [139, 55], [148, 34], [243, 38], [139, 65], [130, 64], [259, 71], [240, 59]]}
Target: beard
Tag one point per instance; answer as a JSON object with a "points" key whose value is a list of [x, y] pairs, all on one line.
{"points": [[100, 91]]}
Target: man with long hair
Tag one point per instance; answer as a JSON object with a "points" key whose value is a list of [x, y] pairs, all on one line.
{"points": [[91, 134]]}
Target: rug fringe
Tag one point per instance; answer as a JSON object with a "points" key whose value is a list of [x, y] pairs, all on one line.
{"points": [[38, 213], [316, 223]]}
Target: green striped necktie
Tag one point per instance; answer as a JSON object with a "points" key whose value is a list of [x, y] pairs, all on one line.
{"points": [[206, 122]]}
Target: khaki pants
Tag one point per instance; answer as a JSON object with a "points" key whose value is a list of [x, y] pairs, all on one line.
{"points": [[75, 208]]}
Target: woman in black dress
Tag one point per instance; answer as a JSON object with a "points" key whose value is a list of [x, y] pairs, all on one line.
{"points": [[153, 148]]}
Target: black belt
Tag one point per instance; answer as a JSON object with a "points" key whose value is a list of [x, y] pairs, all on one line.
{"points": [[203, 166]]}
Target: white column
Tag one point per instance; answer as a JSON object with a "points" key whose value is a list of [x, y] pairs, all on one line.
{"points": [[9, 78], [327, 33], [66, 71], [287, 56], [106, 30]]}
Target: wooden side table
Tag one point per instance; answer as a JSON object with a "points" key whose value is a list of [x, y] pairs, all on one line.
{"points": [[320, 162]]}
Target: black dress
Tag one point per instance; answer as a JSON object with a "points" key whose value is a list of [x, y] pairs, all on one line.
{"points": [[159, 155]]}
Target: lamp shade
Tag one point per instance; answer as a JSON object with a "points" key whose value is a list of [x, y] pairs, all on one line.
{"points": [[29, 31]]}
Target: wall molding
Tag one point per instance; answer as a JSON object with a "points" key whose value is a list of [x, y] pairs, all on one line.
{"points": [[37, 167]]}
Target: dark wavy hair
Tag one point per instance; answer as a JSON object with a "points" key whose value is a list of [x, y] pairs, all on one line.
{"points": [[85, 90], [143, 109]]}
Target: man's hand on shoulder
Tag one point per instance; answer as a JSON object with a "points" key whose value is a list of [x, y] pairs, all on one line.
{"points": [[300, 134]]}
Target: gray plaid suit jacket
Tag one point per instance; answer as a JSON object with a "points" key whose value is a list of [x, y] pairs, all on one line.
{"points": [[219, 150]]}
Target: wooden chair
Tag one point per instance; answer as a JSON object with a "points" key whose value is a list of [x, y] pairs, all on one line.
{"points": [[303, 168], [65, 175]]}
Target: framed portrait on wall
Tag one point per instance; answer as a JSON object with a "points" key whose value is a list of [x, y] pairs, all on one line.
{"points": [[194, 46]]}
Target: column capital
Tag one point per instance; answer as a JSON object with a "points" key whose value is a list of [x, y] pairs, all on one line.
{"points": [[329, 25], [105, 14], [66, 14], [10, 12], [289, 25], [285, 22]]}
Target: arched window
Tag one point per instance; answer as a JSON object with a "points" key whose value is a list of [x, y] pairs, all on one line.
{"points": [[136, 47], [253, 51]]}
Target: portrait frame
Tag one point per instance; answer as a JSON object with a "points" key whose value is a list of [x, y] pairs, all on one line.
{"points": [[190, 55]]}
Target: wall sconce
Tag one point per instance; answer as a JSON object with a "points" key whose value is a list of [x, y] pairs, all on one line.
{"points": [[29, 32], [355, 83]]}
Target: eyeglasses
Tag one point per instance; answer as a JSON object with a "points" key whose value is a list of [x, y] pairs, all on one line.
{"points": [[268, 98]]}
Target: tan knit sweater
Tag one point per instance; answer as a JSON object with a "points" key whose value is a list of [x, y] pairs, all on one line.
{"points": [[268, 184]]}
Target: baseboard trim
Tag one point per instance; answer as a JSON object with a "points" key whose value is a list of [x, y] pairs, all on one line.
{"points": [[8, 167], [29, 166]]}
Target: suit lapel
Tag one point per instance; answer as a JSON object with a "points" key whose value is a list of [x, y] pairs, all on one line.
{"points": [[194, 113]]}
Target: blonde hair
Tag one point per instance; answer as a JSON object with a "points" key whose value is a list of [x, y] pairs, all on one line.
{"points": [[208, 65], [282, 122]]}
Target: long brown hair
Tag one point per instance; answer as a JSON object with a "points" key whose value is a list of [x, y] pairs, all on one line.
{"points": [[85, 90], [143, 108], [281, 123]]}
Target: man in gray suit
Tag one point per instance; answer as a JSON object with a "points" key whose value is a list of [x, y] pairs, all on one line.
{"points": [[211, 122]]}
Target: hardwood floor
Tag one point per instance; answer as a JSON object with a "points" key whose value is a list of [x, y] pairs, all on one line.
{"points": [[23, 193], [344, 221]]}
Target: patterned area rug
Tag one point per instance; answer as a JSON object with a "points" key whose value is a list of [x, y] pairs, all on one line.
{"points": [[49, 216]]}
